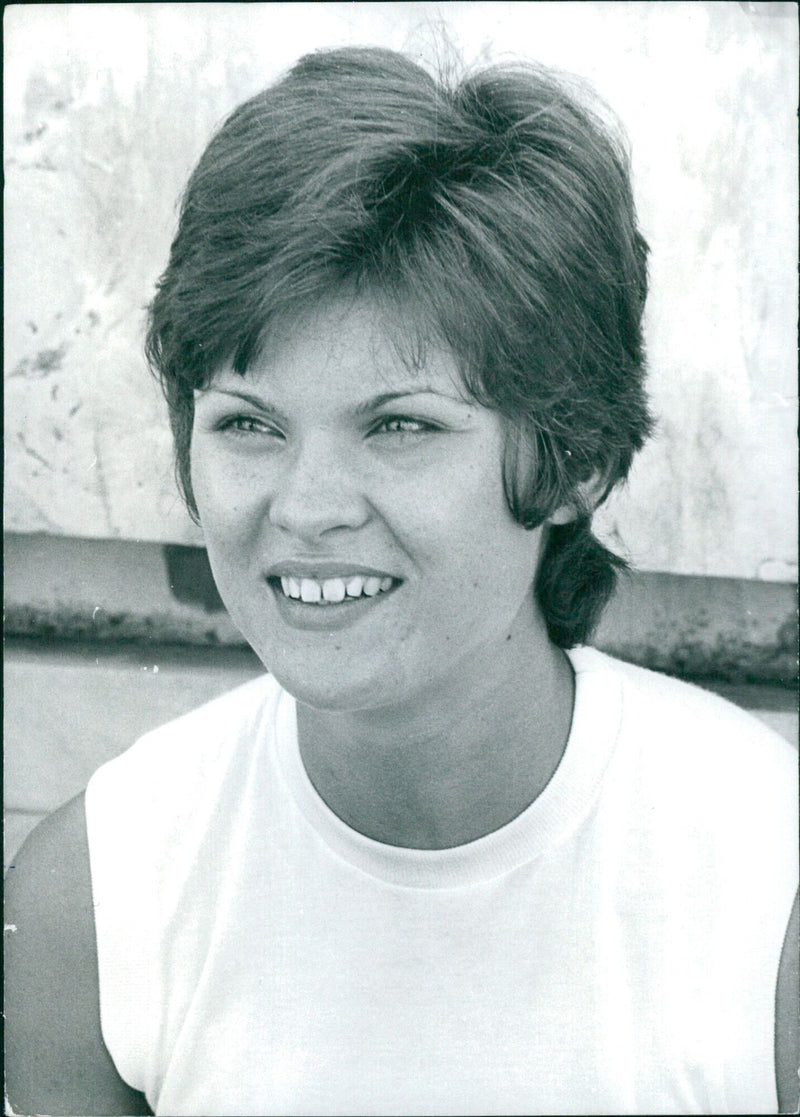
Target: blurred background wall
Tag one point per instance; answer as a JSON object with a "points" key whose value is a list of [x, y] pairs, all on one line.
{"points": [[107, 107]]}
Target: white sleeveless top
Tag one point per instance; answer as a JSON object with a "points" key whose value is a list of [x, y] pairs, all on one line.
{"points": [[614, 949]]}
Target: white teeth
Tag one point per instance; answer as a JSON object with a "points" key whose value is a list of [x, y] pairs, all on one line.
{"points": [[310, 591], [333, 589]]}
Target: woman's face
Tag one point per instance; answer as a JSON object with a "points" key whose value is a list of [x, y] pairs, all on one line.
{"points": [[354, 515]]}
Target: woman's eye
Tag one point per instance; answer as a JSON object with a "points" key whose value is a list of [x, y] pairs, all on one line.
{"points": [[402, 424], [246, 424]]}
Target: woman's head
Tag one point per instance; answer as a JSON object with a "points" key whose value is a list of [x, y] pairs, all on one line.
{"points": [[495, 214]]}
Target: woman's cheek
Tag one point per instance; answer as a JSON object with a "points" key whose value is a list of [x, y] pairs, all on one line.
{"points": [[220, 484]]}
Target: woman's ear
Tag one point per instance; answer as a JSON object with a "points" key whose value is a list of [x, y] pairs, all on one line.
{"points": [[589, 495]]}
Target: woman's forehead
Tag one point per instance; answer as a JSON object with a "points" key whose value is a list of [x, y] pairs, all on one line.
{"points": [[388, 347]]}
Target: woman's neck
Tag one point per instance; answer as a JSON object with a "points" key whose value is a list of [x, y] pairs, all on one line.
{"points": [[457, 764]]}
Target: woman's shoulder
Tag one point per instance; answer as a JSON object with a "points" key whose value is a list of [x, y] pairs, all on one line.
{"points": [[669, 713], [237, 712], [205, 739], [171, 782], [691, 760]]}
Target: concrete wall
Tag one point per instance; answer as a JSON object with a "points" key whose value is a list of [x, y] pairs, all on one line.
{"points": [[108, 106]]}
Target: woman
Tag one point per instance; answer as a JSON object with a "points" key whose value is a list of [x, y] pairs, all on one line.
{"points": [[442, 859]]}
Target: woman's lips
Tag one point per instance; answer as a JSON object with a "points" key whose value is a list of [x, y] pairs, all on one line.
{"points": [[324, 594], [325, 603]]}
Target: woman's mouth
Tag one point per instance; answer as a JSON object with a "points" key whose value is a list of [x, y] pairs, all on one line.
{"points": [[331, 590]]}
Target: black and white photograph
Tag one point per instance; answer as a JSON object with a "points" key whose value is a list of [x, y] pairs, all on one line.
{"points": [[400, 558]]}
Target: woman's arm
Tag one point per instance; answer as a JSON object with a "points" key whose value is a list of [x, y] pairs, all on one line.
{"points": [[56, 1061], [787, 1021]]}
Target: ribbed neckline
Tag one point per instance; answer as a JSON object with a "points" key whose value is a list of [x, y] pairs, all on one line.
{"points": [[557, 811]]}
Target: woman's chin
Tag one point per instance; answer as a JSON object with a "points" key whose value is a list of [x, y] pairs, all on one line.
{"points": [[334, 690]]}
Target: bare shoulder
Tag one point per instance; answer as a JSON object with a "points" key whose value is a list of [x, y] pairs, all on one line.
{"points": [[787, 1018], [56, 1061]]}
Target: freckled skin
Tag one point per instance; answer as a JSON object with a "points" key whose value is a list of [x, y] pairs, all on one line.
{"points": [[424, 505]]}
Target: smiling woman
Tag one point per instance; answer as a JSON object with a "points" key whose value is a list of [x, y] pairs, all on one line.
{"points": [[444, 858], [350, 465]]}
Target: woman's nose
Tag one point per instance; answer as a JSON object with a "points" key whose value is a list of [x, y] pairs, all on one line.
{"points": [[316, 490]]}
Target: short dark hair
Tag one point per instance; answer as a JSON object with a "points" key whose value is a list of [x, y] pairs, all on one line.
{"points": [[496, 210]]}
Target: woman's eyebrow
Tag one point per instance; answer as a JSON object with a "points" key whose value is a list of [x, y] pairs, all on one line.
{"points": [[376, 402], [367, 406], [244, 396]]}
